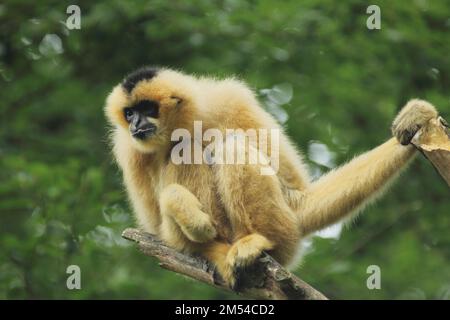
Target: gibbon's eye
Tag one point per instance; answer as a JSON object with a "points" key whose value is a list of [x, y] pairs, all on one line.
{"points": [[128, 114]]}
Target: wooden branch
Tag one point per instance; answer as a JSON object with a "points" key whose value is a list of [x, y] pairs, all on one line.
{"points": [[434, 142], [266, 280]]}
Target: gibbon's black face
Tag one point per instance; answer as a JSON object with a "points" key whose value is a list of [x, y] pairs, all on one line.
{"points": [[145, 106], [141, 118]]}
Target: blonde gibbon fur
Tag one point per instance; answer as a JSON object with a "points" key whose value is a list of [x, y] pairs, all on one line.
{"points": [[230, 214]]}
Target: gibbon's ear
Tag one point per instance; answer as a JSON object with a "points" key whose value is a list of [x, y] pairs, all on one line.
{"points": [[178, 101]]}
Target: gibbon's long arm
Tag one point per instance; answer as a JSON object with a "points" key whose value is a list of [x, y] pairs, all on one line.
{"points": [[348, 188]]}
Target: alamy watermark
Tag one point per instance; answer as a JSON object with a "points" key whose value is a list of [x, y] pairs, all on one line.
{"points": [[73, 281], [374, 20], [233, 146], [74, 19], [374, 280]]}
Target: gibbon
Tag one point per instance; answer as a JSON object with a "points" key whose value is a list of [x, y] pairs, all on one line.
{"points": [[229, 213]]}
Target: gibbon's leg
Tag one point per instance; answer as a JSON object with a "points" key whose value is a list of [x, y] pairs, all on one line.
{"points": [[230, 260], [184, 208], [216, 253], [349, 187], [259, 216]]}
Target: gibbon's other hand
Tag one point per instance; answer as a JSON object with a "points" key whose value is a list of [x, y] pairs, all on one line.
{"points": [[201, 230], [414, 115]]}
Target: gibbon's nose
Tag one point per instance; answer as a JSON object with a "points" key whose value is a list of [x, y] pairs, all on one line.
{"points": [[141, 128]]}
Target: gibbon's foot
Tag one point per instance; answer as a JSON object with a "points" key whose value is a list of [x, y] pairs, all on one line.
{"points": [[241, 277], [201, 230], [414, 115], [184, 207], [241, 257]]}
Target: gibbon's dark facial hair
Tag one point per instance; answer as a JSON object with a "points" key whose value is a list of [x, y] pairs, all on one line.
{"points": [[144, 73], [138, 117]]}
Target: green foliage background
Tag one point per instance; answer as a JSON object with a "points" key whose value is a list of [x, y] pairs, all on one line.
{"points": [[61, 198]]}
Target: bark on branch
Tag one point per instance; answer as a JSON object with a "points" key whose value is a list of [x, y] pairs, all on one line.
{"points": [[434, 142], [267, 279]]}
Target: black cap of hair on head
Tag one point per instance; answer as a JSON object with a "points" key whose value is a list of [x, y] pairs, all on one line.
{"points": [[144, 73]]}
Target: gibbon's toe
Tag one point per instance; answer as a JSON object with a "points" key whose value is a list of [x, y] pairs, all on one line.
{"points": [[242, 257], [414, 115], [444, 122], [241, 277], [245, 251]]}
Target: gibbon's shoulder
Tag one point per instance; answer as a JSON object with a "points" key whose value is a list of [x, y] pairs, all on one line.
{"points": [[229, 90]]}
